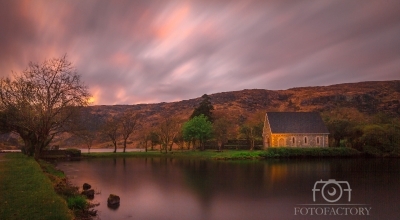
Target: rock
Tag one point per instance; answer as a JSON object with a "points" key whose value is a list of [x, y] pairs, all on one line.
{"points": [[92, 212], [113, 200], [88, 193], [86, 186]]}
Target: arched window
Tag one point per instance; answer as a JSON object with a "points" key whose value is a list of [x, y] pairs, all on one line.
{"points": [[293, 140], [317, 140], [305, 140], [281, 142]]}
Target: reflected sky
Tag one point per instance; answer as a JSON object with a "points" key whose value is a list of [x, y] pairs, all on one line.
{"points": [[164, 188]]}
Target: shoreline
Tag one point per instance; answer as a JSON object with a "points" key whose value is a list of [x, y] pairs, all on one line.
{"points": [[27, 192], [39, 181], [272, 153]]}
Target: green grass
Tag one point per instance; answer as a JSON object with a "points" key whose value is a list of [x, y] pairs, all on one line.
{"points": [[207, 154], [239, 154], [310, 152], [77, 202], [50, 169], [27, 193]]}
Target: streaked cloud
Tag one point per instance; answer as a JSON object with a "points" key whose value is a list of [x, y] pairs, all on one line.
{"points": [[153, 51]]}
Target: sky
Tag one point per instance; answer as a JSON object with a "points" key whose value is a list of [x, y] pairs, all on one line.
{"points": [[134, 51]]}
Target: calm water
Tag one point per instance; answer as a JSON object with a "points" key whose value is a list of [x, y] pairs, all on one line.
{"points": [[160, 188]]}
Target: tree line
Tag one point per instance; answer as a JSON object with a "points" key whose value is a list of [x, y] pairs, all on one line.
{"points": [[374, 134], [203, 125], [46, 99]]}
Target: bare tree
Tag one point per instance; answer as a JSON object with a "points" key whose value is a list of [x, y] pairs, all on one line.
{"points": [[144, 139], [86, 129], [252, 128], [129, 123], [41, 100], [88, 138], [221, 131], [112, 131], [179, 140], [168, 129]]}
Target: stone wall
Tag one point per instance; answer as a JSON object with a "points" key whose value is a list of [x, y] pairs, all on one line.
{"points": [[266, 133], [292, 140], [299, 140]]}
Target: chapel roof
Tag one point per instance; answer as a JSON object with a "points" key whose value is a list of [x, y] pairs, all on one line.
{"points": [[296, 122]]}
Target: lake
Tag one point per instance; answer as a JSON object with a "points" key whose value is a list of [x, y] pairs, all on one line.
{"points": [[165, 188]]}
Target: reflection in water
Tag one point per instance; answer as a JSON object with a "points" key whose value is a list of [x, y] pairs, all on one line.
{"points": [[167, 188]]}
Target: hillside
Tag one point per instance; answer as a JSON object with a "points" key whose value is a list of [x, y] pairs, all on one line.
{"points": [[367, 97]]}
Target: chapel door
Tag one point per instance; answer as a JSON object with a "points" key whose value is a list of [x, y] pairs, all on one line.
{"points": [[281, 142]]}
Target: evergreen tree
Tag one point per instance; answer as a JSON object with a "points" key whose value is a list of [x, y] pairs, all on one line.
{"points": [[205, 108]]}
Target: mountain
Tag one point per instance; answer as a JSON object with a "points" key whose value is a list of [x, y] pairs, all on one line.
{"points": [[366, 97]]}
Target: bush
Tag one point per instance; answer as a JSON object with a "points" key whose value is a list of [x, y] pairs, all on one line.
{"points": [[371, 151], [73, 152], [310, 152], [77, 202]]}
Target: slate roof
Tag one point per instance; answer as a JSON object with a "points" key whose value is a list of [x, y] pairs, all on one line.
{"points": [[296, 122]]}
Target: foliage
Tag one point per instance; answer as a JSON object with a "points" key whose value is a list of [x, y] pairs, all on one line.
{"points": [[380, 139], [341, 123], [77, 202], [73, 152], [41, 100], [205, 108], [198, 128], [154, 139], [373, 134], [339, 129]]}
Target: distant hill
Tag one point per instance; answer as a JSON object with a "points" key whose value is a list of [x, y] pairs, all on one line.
{"points": [[367, 97]]}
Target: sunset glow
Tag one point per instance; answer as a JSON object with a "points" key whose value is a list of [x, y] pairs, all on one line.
{"points": [[132, 52]]}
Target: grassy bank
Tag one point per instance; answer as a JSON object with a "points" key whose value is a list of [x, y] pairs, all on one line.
{"points": [[310, 152], [239, 154], [207, 154], [27, 193]]}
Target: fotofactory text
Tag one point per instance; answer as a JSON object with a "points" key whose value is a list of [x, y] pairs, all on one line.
{"points": [[330, 192]]}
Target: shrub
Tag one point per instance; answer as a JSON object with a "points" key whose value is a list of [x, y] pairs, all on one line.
{"points": [[371, 151], [73, 152], [310, 152], [77, 202]]}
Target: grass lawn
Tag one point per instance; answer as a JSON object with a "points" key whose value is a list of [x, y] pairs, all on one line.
{"points": [[238, 154], [26, 192], [207, 154]]}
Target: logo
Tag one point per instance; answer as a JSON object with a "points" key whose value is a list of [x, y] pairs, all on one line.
{"points": [[331, 190], [326, 194]]}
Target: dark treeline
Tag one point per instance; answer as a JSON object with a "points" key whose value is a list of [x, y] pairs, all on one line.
{"points": [[375, 134]]}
